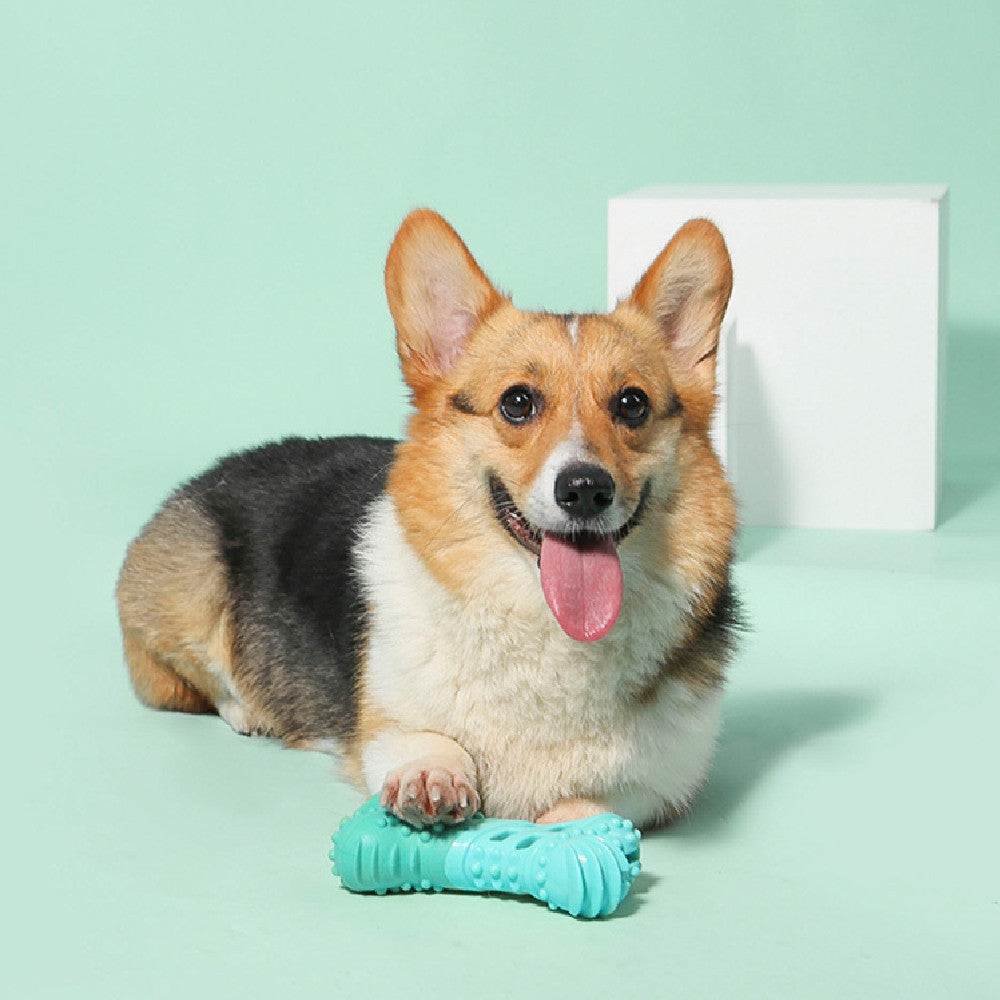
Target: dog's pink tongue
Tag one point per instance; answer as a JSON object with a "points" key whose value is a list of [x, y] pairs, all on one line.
{"points": [[583, 586]]}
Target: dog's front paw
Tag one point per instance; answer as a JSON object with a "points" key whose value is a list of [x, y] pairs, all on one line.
{"points": [[568, 810], [427, 792]]}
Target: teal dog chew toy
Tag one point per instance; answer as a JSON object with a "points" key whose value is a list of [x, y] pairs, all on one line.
{"points": [[586, 867]]}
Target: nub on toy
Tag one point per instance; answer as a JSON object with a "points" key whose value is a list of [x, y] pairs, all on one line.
{"points": [[585, 867]]}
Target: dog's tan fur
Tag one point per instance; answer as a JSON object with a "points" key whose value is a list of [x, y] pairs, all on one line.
{"points": [[173, 603]]}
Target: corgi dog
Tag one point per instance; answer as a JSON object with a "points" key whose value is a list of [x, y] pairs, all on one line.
{"points": [[523, 607]]}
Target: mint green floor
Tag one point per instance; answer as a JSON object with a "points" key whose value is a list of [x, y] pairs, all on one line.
{"points": [[195, 204], [846, 844]]}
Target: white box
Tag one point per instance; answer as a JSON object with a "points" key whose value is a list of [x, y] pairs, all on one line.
{"points": [[834, 362]]}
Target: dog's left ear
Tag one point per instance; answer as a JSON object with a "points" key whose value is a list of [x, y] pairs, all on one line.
{"points": [[437, 295], [686, 290]]}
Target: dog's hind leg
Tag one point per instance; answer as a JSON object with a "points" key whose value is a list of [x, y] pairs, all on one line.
{"points": [[174, 604], [157, 684]]}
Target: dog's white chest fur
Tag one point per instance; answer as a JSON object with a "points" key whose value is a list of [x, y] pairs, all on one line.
{"points": [[543, 716]]}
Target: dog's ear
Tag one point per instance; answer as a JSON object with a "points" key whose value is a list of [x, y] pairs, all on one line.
{"points": [[437, 295], [686, 290]]}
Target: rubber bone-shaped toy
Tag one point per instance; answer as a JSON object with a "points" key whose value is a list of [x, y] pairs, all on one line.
{"points": [[585, 867]]}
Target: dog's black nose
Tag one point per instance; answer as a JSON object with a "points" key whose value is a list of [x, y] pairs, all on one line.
{"points": [[584, 491]]}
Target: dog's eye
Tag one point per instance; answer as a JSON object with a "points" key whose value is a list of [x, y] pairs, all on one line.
{"points": [[517, 404], [631, 407]]}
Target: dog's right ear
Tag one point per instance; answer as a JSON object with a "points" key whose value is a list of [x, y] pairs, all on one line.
{"points": [[437, 295]]}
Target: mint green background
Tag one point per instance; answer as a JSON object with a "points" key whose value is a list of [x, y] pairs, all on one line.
{"points": [[195, 203]]}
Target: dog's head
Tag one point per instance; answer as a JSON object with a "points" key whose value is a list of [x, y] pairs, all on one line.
{"points": [[556, 436]]}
